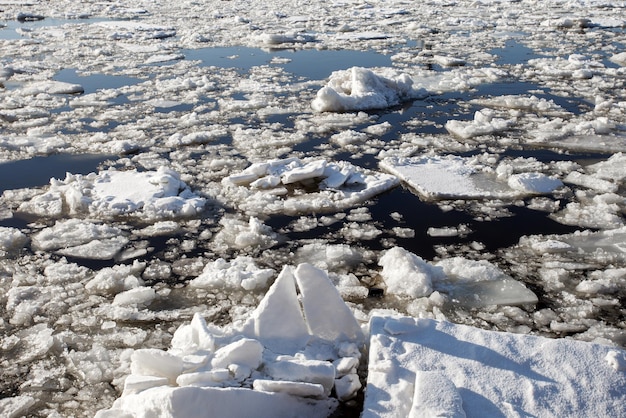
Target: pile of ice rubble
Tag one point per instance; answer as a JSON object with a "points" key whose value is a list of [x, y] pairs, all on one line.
{"points": [[299, 355], [285, 361]]}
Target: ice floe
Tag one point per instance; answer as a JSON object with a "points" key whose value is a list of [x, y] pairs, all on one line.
{"points": [[438, 177], [149, 194], [466, 282], [294, 186]]}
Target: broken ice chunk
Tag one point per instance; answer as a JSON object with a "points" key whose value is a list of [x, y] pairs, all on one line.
{"points": [[102, 249], [11, 238], [619, 58], [240, 272], [361, 88], [71, 233], [312, 371], [446, 61], [193, 337], [591, 182], [612, 169], [336, 175], [141, 296], [484, 123], [135, 383], [308, 171], [407, 274], [461, 269], [439, 177], [52, 87], [213, 377], [535, 183], [309, 390], [347, 386], [247, 352], [498, 292], [16, 406], [153, 362]]}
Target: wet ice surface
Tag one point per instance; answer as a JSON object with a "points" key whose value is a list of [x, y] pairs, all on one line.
{"points": [[395, 147]]}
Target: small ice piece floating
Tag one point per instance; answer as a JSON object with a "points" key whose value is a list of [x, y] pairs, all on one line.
{"points": [[484, 123], [52, 87], [332, 186], [151, 195], [441, 177], [360, 88], [283, 362], [424, 367]]}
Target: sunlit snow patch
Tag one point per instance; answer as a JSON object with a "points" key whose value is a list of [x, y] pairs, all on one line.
{"points": [[440, 177], [294, 186], [285, 361], [423, 367], [360, 88]]}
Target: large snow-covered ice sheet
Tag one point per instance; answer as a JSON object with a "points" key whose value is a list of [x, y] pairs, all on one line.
{"points": [[494, 374]]}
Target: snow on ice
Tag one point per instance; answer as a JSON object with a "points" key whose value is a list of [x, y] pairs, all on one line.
{"points": [[378, 208], [423, 367]]}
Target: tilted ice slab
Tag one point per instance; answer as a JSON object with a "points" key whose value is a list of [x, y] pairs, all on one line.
{"points": [[334, 186], [441, 177], [423, 367], [149, 194], [360, 88], [284, 362]]}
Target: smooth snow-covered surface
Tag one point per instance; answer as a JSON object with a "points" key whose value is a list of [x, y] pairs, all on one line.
{"points": [[462, 161], [425, 368]]}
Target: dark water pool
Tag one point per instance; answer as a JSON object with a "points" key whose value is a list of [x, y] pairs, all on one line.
{"points": [[312, 64], [37, 171]]}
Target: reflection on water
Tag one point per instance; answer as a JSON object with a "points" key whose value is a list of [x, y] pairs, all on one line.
{"points": [[94, 82], [312, 64], [514, 52], [37, 171]]}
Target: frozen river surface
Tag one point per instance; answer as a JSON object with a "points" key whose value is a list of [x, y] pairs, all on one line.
{"points": [[172, 172]]}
